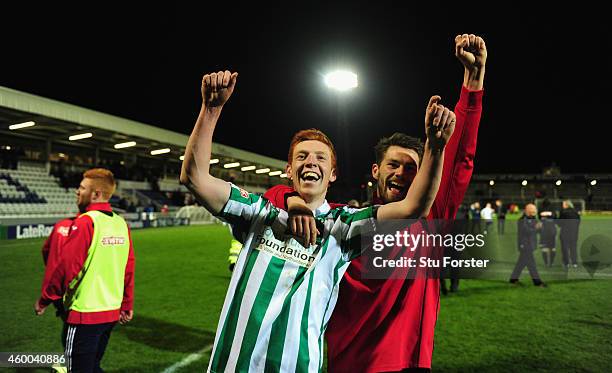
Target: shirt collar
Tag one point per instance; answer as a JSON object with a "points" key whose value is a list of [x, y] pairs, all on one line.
{"points": [[323, 209], [102, 206]]}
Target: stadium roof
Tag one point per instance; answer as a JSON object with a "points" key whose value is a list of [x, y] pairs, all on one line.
{"points": [[56, 121]]}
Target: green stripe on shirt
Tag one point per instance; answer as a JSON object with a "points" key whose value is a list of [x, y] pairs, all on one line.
{"points": [[260, 306], [274, 356], [229, 326]]}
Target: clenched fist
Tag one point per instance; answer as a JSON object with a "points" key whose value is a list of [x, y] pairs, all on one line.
{"points": [[218, 87], [439, 123], [471, 51]]}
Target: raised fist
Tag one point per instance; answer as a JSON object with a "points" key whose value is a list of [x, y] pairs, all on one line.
{"points": [[471, 51], [439, 123], [218, 87]]}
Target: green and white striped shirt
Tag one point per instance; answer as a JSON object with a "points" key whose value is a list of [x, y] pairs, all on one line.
{"points": [[281, 294]]}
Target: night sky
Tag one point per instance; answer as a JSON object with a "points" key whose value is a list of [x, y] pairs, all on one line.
{"points": [[547, 82]]}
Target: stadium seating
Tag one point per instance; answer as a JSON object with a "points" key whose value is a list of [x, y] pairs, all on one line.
{"points": [[29, 191]]}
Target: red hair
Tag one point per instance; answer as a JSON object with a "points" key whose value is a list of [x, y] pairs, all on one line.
{"points": [[103, 180], [310, 135]]}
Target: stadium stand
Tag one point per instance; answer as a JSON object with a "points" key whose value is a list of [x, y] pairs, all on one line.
{"points": [[29, 191], [47, 140], [160, 198], [41, 163]]}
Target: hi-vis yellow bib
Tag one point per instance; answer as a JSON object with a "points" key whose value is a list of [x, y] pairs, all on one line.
{"points": [[99, 285]]}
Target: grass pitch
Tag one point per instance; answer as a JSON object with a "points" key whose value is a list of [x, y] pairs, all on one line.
{"points": [[182, 277]]}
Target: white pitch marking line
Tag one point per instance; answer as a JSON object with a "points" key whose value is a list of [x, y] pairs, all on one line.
{"points": [[188, 360]]}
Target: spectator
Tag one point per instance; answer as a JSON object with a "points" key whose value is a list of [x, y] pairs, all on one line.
{"points": [[460, 226], [475, 218], [548, 234], [501, 211], [487, 215], [569, 222], [123, 203], [527, 241]]}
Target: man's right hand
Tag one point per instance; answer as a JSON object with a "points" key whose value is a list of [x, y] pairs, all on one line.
{"points": [[471, 51], [218, 87], [39, 309]]}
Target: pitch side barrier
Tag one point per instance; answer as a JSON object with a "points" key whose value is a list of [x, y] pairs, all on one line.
{"points": [[153, 220], [43, 228], [411, 249]]}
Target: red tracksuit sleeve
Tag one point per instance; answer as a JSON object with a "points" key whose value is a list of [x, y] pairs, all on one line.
{"points": [[128, 284], [459, 156], [47, 246], [276, 195], [74, 253]]}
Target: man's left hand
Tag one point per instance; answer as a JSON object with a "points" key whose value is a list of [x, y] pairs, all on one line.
{"points": [[125, 317]]}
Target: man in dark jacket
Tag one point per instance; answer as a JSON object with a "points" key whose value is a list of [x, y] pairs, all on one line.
{"points": [[528, 227], [500, 210], [569, 221], [548, 233]]}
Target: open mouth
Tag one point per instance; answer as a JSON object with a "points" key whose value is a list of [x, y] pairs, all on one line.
{"points": [[310, 176], [396, 188]]}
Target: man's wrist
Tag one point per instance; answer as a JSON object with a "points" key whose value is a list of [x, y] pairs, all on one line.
{"points": [[211, 110], [127, 304], [44, 302], [433, 150], [288, 196], [473, 79], [297, 204]]}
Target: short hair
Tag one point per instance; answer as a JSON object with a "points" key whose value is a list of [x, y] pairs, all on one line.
{"points": [[103, 180], [569, 203], [398, 139], [316, 135]]}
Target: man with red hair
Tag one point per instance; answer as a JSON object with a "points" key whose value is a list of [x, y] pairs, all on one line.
{"points": [[94, 276]]}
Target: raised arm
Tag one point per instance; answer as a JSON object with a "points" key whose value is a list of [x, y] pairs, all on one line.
{"points": [[439, 126], [472, 52], [460, 151], [211, 192]]}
